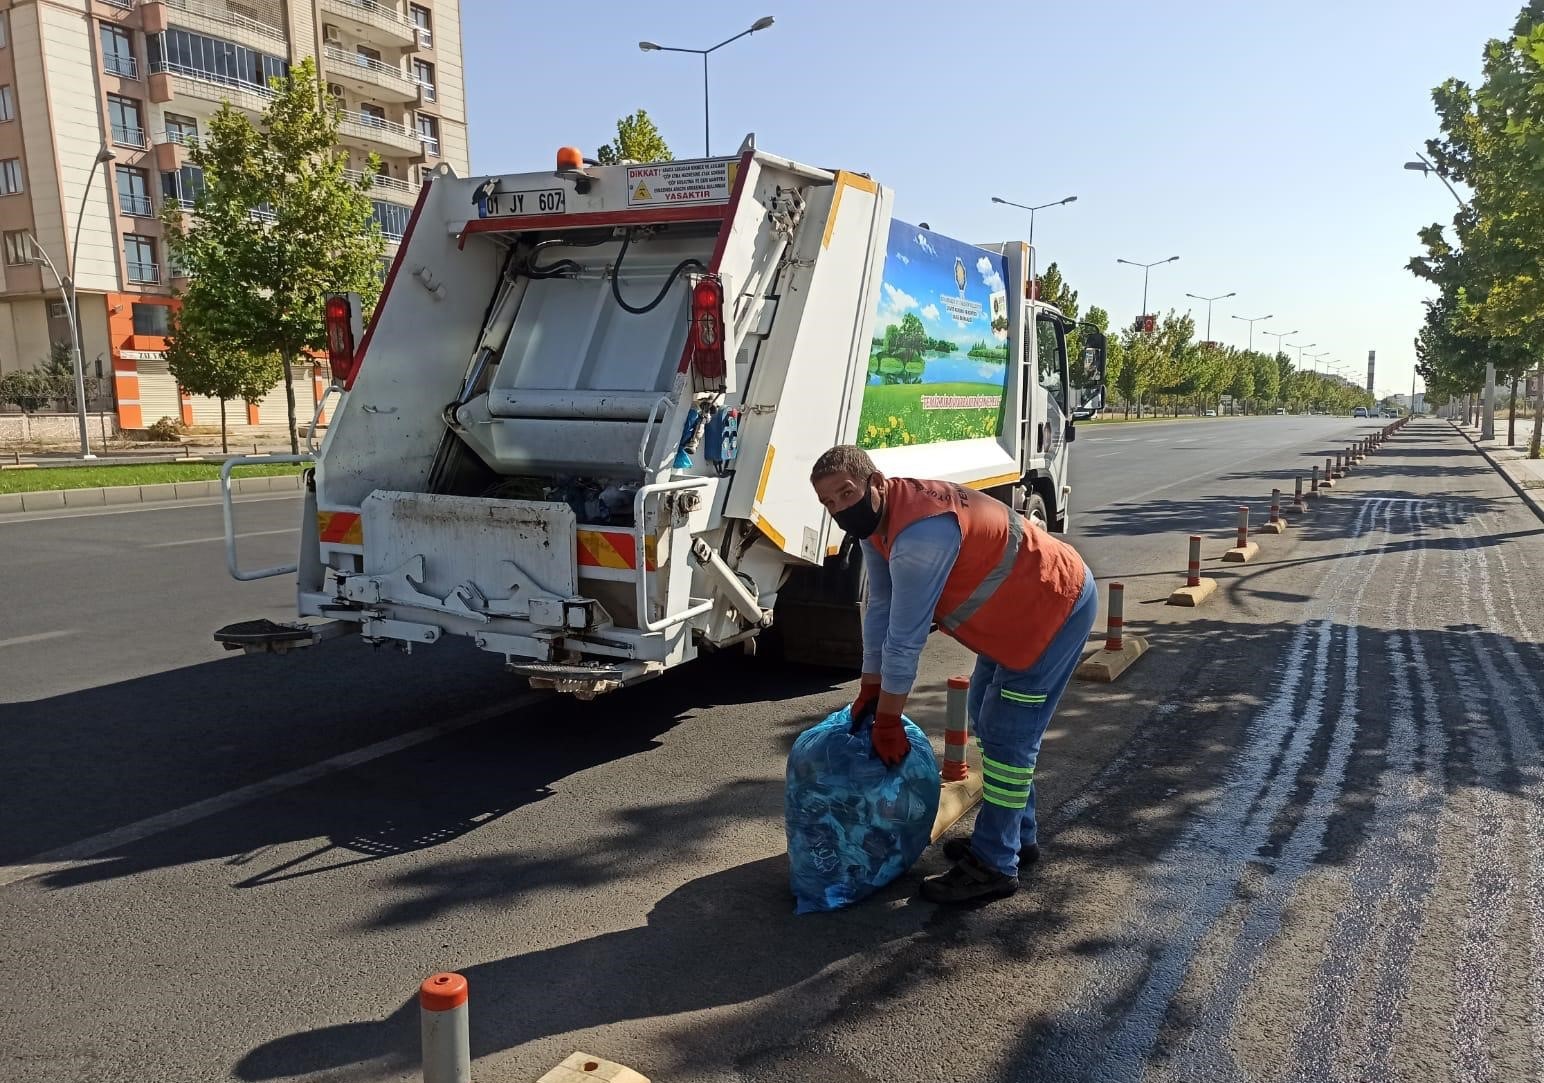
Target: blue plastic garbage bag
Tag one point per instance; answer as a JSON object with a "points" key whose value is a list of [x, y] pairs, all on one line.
{"points": [[854, 824]]}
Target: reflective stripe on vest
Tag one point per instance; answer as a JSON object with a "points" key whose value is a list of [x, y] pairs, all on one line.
{"points": [[961, 613]]}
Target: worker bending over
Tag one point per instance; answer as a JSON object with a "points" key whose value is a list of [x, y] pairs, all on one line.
{"points": [[1021, 599]]}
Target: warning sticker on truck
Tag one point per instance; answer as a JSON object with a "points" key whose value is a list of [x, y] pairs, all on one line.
{"points": [[670, 184]]}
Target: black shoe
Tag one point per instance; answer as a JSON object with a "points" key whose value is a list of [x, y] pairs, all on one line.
{"points": [[968, 881], [955, 849]]}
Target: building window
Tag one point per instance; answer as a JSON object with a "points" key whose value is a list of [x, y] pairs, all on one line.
{"points": [[423, 72], [5, 29], [181, 129], [18, 248], [373, 115], [429, 133], [139, 257], [392, 219], [7, 104], [134, 191], [367, 54], [183, 187], [118, 52], [201, 57], [127, 121], [425, 31], [152, 320], [10, 177]]}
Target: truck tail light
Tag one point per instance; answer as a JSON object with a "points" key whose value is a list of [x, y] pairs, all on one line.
{"points": [[340, 336], [708, 327]]}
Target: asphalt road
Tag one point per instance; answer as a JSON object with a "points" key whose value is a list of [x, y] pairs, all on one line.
{"points": [[1300, 841]]}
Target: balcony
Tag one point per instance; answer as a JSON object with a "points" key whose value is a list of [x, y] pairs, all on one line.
{"points": [[365, 132], [215, 19], [171, 151], [386, 188], [135, 206], [144, 274], [366, 75], [124, 136], [170, 80], [374, 21], [118, 64]]}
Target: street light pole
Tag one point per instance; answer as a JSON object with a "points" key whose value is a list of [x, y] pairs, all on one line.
{"points": [[1209, 300], [67, 288], [1251, 321], [1146, 268], [1424, 166], [1032, 210], [650, 47]]}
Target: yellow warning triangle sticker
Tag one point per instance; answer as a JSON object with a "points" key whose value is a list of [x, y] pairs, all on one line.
{"points": [[642, 193]]}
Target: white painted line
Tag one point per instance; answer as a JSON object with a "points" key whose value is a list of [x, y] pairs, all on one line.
{"points": [[219, 538], [84, 850], [38, 637], [130, 509]]}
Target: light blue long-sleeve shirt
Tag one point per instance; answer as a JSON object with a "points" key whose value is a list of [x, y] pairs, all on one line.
{"points": [[903, 594]]}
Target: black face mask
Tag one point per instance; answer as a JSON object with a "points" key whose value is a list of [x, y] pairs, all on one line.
{"points": [[862, 519]]}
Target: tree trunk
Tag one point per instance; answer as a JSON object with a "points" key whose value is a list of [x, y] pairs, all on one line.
{"points": [[1538, 414], [225, 447], [1511, 424], [289, 399]]}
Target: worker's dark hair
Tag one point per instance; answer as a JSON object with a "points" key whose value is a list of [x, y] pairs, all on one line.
{"points": [[846, 459]]}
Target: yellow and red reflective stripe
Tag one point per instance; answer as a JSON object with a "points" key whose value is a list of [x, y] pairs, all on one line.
{"points": [[613, 549], [340, 527]]}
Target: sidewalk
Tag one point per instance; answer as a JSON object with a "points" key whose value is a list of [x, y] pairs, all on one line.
{"points": [[1511, 460]]}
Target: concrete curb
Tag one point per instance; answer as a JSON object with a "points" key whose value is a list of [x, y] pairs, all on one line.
{"points": [[1499, 465], [115, 495]]}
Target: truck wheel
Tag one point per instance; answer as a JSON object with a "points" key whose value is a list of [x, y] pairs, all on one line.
{"points": [[1034, 511], [818, 620]]}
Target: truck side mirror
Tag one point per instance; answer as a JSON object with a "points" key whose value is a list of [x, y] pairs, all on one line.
{"points": [[1094, 346]]}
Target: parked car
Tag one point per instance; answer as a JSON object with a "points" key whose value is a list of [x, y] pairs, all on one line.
{"points": [[1281, 410], [1360, 411], [1211, 413]]}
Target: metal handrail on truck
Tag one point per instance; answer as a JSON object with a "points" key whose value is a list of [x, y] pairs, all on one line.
{"points": [[230, 515]]}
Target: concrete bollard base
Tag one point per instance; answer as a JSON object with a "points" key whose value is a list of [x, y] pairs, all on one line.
{"points": [[1267, 527], [1294, 509], [955, 799], [584, 1068], [1105, 665], [1242, 554], [1193, 596]]}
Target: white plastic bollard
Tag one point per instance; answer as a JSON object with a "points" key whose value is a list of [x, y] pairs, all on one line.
{"points": [[444, 1029]]}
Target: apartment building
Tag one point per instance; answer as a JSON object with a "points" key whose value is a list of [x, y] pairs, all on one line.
{"points": [[98, 100]]}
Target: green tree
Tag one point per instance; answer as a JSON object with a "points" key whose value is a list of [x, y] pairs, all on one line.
{"points": [[1267, 378], [277, 226], [59, 368], [27, 389], [207, 366], [1156, 361], [1241, 381], [637, 140]]}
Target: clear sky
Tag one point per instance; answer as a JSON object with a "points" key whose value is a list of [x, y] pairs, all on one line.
{"points": [[1261, 143]]}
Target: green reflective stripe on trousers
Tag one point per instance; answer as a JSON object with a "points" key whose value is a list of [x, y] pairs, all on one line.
{"points": [[992, 795], [1023, 697], [1006, 770]]}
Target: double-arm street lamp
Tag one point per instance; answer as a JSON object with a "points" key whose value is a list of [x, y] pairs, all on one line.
{"points": [[1209, 300], [1146, 268], [1032, 210], [1251, 321], [67, 288], [650, 47]]}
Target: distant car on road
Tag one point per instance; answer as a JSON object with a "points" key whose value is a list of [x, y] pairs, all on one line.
{"points": [[1360, 411], [1281, 410], [1211, 413]]}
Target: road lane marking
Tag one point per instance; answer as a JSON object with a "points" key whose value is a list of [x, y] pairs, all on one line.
{"points": [[218, 538], [37, 637], [161, 505], [83, 850]]}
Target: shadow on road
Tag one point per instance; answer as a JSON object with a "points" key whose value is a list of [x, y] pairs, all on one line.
{"points": [[409, 800]]}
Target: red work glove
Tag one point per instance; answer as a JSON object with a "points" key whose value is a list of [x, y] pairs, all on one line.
{"points": [[866, 703], [889, 739]]}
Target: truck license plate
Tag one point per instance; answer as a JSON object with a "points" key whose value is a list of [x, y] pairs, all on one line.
{"points": [[544, 201]]}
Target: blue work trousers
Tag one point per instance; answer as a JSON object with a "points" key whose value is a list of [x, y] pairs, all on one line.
{"points": [[1009, 710]]}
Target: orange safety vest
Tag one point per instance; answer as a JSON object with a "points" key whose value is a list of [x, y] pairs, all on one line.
{"points": [[1013, 585]]}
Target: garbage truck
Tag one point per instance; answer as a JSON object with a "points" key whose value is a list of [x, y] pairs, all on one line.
{"points": [[579, 425]]}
